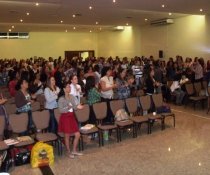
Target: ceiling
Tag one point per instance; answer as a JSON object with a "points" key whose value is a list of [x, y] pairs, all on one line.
{"points": [[47, 16]]}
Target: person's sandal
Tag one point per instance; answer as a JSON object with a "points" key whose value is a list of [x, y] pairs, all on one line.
{"points": [[77, 154], [70, 155]]}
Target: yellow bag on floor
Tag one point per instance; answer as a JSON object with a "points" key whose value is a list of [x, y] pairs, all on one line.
{"points": [[41, 155]]}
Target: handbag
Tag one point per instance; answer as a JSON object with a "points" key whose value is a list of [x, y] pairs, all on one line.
{"points": [[22, 155], [6, 163]]}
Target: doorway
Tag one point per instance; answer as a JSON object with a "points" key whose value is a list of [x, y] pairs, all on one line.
{"points": [[83, 53]]}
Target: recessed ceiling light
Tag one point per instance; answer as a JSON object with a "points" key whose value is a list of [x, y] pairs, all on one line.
{"points": [[66, 31], [27, 13], [113, 1], [169, 14], [100, 28], [61, 21], [163, 6], [96, 22], [90, 31], [37, 4], [126, 24], [21, 20], [10, 30], [13, 27], [90, 7], [73, 15], [201, 10], [74, 28], [146, 19]]}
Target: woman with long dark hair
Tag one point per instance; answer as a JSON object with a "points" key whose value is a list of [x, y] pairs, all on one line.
{"points": [[51, 95], [67, 123]]}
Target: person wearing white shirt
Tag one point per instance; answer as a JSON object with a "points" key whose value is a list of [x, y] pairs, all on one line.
{"points": [[76, 90], [51, 95]]}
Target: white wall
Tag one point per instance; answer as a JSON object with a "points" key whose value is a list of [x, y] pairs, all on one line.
{"points": [[47, 44], [119, 43], [188, 36]]}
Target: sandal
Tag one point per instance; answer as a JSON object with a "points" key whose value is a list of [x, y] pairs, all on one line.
{"points": [[70, 155], [77, 154]]}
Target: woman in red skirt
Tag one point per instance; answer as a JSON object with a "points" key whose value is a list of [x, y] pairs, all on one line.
{"points": [[67, 123]]}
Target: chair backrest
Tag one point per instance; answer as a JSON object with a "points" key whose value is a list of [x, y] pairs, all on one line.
{"points": [[41, 99], [83, 100], [158, 100], [145, 102], [2, 125], [10, 108], [41, 119], [204, 84], [189, 88], [35, 106], [208, 90], [197, 87], [100, 110], [140, 93], [57, 115], [82, 115], [169, 83], [115, 105], [132, 104], [19, 122], [11, 100]]}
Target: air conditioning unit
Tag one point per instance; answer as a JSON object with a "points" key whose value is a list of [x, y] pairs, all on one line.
{"points": [[162, 21], [118, 28], [14, 35]]}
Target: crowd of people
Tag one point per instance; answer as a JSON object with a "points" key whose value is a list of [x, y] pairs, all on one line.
{"points": [[64, 81]]}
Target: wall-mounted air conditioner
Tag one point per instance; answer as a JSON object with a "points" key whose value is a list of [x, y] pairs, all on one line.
{"points": [[14, 35], [162, 21]]}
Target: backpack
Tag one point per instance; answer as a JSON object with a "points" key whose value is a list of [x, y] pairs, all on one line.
{"points": [[121, 115], [42, 155]]}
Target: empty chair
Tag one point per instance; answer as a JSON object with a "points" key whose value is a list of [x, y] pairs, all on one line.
{"points": [[3, 146], [145, 102], [193, 95], [115, 106], [83, 117], [100, 110], [132, 106], [158, 102], [19, 125], [41, 120]]}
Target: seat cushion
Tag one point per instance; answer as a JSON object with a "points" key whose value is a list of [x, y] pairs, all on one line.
{"points": [[24, 143], [46, 137], [124, 123], [89, 131], [107, 127], [139, 119], [3, 146], [154, 117]]}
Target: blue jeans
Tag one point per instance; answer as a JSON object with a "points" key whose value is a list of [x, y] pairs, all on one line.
{"points": [[53, 123]]}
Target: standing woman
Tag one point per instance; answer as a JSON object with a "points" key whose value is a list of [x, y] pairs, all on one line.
{"points": [[67, 123], [51, 95], [23, 100], [107, 86], [123, 91], [75, 88], [151, 83], [93, 96]]}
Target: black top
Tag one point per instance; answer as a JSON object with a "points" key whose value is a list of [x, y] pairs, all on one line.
{"points": [[149, 85]]}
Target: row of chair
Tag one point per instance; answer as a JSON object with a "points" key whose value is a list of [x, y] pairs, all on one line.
{"points": [[41, 119]]}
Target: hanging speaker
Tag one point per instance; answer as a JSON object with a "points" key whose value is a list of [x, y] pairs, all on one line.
{"points": [[160, 54]]}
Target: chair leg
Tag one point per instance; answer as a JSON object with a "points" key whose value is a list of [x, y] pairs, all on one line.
{"points": [[102, 138], [134, 134], [174, 121], [117, 131], [82, 143]]}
